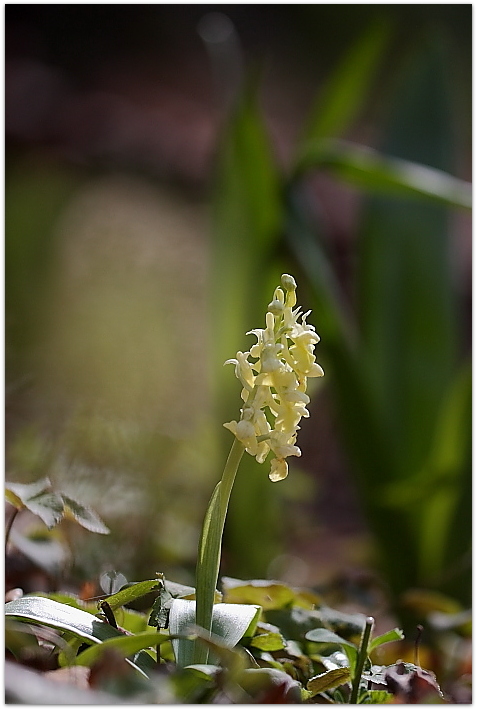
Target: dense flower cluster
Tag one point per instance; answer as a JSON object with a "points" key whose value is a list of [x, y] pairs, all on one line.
{"points": [[274, 375]]}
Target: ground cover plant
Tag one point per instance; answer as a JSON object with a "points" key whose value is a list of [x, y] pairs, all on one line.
{"points": [[257, 641]]}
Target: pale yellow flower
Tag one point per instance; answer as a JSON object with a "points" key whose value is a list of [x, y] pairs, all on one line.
{"points": [[274, 382]]}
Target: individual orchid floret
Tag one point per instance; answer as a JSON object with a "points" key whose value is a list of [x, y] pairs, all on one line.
{"points": [[274, 377]]}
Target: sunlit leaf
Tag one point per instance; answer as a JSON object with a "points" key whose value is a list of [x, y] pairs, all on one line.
{"points": [[380, 174], [41, 610], [86, 517], [328, 680], [267, 593], [230, 622], [132, 592], [388, 637], [39, 499], [268, 642]]}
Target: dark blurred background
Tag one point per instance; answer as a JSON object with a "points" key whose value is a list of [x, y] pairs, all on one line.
{"points": [[144, 192]]}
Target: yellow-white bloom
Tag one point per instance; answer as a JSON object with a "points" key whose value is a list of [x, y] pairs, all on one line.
{"points": [[274, 382]]}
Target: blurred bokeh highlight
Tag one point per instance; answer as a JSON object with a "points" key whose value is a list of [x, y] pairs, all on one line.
{"points": [[164, 165]]}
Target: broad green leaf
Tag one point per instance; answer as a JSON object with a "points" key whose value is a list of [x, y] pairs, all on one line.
{"points": [[393, 635], [326, 636], [268, 642], [230, 622], [132, 592], [40, 610], [127, 619], [124, 646], [380, 174], [347, 90], [83, 515], [328, 680]]}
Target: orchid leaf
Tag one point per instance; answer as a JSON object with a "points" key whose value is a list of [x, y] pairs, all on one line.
{"points": [[40, 610], [230, 622]]}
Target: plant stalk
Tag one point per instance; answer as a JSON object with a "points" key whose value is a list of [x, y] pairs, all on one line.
{"points": [[9, 526], [210, 546], [361, 659]]}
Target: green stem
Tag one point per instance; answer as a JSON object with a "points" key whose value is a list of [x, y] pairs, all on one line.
{"points": [[210, 546], [9, 526], [360, 661]]}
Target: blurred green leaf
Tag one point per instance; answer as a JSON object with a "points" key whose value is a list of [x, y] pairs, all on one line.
{"points": [[46, 552], [346, 91], [124, 646], [327, 636], [381, 174], [328, 680], [83, 515], [268, 642], [41, 499], [378, 697], [266, 593], [388, 637], [38, 498]]}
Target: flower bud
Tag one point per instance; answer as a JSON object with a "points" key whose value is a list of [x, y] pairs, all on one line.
{"points": [[276, 307], [288, 282]]}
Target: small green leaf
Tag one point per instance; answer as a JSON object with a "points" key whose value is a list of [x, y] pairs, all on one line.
{"points": [[328, 680], [378, 697], [326, 636], [160, 610], [124, 646], [83, 515], [134, 591], [268, 642], [388, 637]]}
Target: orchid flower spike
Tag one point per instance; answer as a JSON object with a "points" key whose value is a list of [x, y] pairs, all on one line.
{"points": [[274, 376]]}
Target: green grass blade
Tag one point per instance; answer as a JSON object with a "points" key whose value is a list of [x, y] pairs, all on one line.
{"points": [[347, 89], [378, 174]]}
